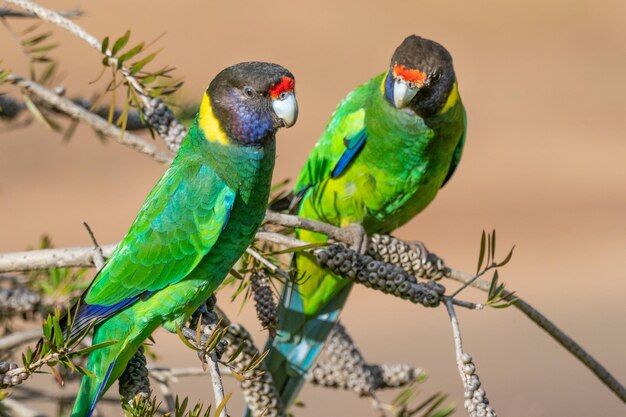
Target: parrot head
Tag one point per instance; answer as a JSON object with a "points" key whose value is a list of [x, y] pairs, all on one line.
{"points": [[420, 76], [248, 102]]}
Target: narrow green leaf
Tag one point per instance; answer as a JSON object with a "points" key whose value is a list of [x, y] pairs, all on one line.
{"points": [[492, 286], [45, 48], [58, 333], [36, 112], [88, 350], [300, 248], [48, 73], [47, 329], [112, 103], [236, 354], [493, 244], [255, 363], [120, 43], [138, 66], [148, 79], [184, 339], [85, 371], [481, 256], [496, 276], [36, 39], [128, 55], [488, 250], [105, 44], [507, 259], [222, 404]]}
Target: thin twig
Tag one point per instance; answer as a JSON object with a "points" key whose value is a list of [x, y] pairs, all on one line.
{"points": [[557, 334], [210, 323], [64, 23], [70, 14], [94, 121], [465, 304], [344, 235], [476, 402], [256, 255], [98, 257]]}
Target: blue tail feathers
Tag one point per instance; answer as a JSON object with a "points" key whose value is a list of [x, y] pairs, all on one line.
{"points": [[300, 341]]}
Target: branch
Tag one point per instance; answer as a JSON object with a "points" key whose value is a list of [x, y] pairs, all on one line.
{"points": [[408, 260], [99, 124], [174, 131], [476, 402], [84, 256], [11, 108], [259, 392], [557, 334], [205, 319], [70, 14], [52, 258], [345, 235]]}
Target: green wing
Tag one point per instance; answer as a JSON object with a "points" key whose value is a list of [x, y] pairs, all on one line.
{"points": [[458, 152], [176, 227], [346, 123]]}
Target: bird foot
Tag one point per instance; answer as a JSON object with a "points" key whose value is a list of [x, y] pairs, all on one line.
{"points": [[355, 233]]}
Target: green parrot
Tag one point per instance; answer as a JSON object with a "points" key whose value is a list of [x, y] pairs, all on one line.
{"points": [[391, 144], [194, 225]]}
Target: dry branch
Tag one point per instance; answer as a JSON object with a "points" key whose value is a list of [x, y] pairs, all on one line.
{"points": [[99, 124], [173, 142]]}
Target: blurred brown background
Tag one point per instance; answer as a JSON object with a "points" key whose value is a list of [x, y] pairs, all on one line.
{"points": [[544, 87]]}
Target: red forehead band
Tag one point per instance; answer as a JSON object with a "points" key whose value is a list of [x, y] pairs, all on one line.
{"points": [[285, 85], [416, 76]]}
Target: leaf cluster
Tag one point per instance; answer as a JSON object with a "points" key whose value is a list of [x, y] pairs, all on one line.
{"points": [[497, 296]]}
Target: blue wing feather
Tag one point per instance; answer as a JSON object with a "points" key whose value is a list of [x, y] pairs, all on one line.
{"points": [[100, 392], [353, 147]]}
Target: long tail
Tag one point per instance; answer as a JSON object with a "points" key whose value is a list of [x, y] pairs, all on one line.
{"points": [[106, 365], [301, 336]]}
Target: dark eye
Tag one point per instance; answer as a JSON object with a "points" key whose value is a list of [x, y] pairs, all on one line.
{"points": [[436, 76], [283, 95], [249, 92]]}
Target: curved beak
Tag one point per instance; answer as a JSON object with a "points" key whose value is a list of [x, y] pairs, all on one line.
{"points": [[286, 109], [403, 92]]}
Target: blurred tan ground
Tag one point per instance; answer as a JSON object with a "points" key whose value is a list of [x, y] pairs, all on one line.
{"points": [[544, 87]]}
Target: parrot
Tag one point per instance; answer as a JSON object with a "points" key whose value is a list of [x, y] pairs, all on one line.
{"points": [[193, 226], [389, 147]]}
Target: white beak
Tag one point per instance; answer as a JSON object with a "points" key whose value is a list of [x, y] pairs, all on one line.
{"points": [[403, 92], [286, 109]]}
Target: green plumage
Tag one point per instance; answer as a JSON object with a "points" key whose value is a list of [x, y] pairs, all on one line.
{"points": [[397, 174], [404, 161], [192, 228], [194, 225]]}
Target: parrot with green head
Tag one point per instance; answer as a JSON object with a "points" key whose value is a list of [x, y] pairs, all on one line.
{"points": [[194, 225], [391, 144]]}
